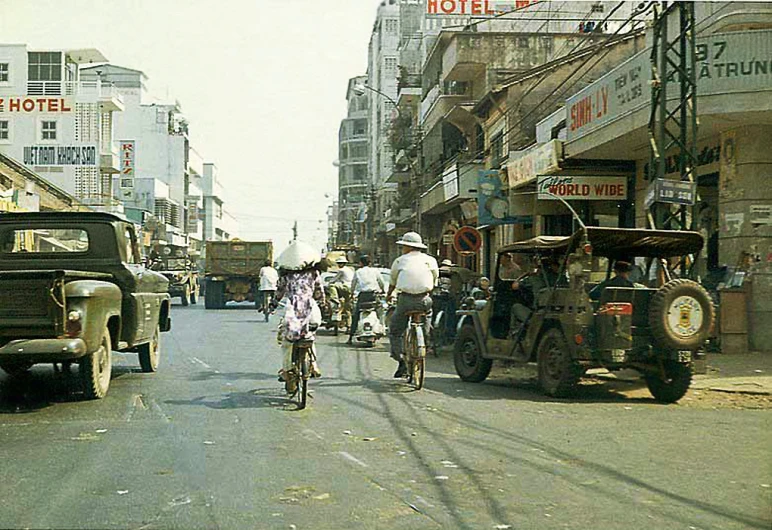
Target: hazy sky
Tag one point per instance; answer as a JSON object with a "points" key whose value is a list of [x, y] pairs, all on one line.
{"points": [[263, 83]]}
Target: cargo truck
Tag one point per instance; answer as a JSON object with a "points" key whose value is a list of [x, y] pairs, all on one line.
{"points": [[232, 270]]}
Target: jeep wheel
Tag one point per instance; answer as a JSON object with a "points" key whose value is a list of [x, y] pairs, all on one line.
{"points": [[558, 373], [681, 315], [96, 368], [185, 298], [468, 359], [678, 377], [15, 368], [149, 353]]}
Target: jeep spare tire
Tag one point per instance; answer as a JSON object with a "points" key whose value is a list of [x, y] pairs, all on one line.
{"points": [[681, 315]]}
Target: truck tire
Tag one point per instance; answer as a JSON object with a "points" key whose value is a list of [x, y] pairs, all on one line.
{"points": [[468, 360], [15, 368], [185, 298], [558, 373], [681, 315], [215, 295], [678, 378], [96, 368], [149, 354]]}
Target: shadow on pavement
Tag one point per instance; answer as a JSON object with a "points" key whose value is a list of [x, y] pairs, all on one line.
{"points": [[252, 399], [43, 387], [232, 376]]}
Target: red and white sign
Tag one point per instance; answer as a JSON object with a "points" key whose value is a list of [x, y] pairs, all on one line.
{"points": [[127, 158], [30, 105], [461, 7], [582, 188]]}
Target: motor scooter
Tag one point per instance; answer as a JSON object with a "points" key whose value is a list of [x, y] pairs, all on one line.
{"points": [[370, 327], [332, 315]]}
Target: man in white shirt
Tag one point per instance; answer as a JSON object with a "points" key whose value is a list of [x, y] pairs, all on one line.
{"points": [[268, 280], [365, 287], [414, 275], [343, 282]]}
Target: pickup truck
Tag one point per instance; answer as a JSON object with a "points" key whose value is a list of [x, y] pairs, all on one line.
{"points": [[73, 288]]}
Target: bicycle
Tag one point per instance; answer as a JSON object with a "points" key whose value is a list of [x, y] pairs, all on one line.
{"points": [[415, 349], [296, 383], [267, 301]]}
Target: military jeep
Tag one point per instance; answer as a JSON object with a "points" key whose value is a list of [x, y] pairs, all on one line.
{"points": [[177, 265], [657, 330], [73, 289]]}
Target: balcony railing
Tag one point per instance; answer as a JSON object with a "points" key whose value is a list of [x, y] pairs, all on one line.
{"points": [[74, 88]]}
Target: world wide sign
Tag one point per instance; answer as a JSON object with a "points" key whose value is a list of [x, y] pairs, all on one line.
{"points": [[584, 188]]}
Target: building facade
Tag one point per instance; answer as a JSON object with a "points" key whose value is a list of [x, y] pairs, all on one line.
{"points": [[59, 124]]}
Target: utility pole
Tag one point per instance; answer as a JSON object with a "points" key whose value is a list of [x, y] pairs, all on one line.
{"points": [[295, 231], [673, 126]]}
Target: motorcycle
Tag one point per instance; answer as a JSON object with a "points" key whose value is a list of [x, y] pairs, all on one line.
{"points": [[332, 312], [370, 327]]}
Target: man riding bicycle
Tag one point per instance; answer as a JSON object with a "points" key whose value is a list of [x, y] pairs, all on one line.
{"points": [[414, 274]]}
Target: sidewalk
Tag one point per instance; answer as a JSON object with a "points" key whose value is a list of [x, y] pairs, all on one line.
{"points": [[747, 373]]}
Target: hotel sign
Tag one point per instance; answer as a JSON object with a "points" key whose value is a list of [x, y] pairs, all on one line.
{"points": [[128, 157], [30, 105], [473, 7], [61, 155]]}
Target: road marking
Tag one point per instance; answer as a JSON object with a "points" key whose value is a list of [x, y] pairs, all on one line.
{"points": [[199, 361], [352, 458], [157, 408], [313, 433], [135, 403]]}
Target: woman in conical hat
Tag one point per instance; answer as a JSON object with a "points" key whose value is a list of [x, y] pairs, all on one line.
{"points": [[301, 283]]}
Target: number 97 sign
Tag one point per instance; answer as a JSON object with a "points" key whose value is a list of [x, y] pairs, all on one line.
{"points": [[467, 240]]}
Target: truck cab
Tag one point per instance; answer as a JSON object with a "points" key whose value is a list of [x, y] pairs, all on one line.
{"points": [[73, 288]]}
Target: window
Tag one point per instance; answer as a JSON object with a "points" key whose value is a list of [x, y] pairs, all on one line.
{"points": [[360, 172], [45, 241], [360, 127], [390, 64], [392, 26], [4, 73], [44, 66], [5, 130], [48, 130], [523, 42]]}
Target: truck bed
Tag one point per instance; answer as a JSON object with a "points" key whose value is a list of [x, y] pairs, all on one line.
{"points": [[237, 258]]}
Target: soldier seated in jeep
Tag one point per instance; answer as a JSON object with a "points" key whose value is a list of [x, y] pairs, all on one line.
{"points": [[548, 274], [622, 270]]}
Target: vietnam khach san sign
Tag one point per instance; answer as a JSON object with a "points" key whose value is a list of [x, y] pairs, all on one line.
{"points": [[726, 63], [61, 155], [584, 188], [30, 105]]}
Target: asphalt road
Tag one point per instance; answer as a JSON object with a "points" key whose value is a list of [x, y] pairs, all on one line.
{"points": [[210, 441]]}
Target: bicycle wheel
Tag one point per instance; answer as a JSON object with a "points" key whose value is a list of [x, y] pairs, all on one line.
{"points": [[304, 372], [409, 352], [418, 369]]}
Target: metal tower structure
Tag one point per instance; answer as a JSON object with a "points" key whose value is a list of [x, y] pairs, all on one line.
{"points": [[673, 119]]}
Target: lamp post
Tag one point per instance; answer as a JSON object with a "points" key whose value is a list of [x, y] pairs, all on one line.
{"points": [[359, 90]]}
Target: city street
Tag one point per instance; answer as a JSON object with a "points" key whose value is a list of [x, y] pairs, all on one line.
{"points": [[211, 441]]}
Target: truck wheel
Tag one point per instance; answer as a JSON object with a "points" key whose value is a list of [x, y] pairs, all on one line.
{"points": [[558, 373], [15, 368], [96, 368], [215, 295], [681, 315], [185, 298], [468, 359], [678, 377], [149, 353]]}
